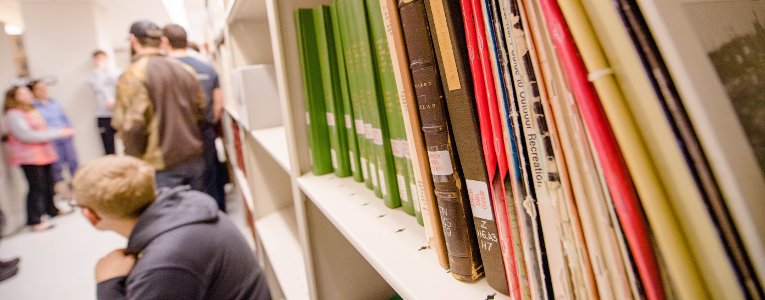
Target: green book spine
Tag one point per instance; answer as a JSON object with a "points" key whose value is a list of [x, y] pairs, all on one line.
{"points": [[392, 107], [412, 190], [318, 133], [325, 42], [373, 89], [350, 135], [357, 103]]}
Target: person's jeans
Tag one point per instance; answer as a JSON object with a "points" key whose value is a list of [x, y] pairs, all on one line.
{"points": [[66, 158], [188, 173], [107, 134], [215, 171], [40, 195]]}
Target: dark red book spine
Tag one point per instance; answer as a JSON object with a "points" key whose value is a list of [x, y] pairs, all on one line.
{"points": [[620, 184]]}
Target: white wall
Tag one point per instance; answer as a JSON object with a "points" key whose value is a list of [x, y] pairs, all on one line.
{"points": [[59, 39]]}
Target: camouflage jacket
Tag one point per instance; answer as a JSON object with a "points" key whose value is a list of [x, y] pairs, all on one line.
{"points": [[159, 111]]}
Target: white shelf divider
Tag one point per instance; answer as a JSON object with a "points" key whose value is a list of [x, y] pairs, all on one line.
{"points": [[234, 114], [278, 234], [241, 182], [389, 239], [274, 141]]}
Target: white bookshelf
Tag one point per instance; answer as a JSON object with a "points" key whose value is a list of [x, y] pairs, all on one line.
{"points": [[234, 113], [278, 234], [391, 240], [274, 141], [320, 237], [244, 187]]}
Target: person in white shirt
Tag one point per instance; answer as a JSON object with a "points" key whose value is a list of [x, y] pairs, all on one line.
{"points": [[103, 82]]}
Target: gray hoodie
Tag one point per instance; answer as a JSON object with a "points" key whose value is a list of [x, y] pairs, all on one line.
{"points": [[187, 249]]}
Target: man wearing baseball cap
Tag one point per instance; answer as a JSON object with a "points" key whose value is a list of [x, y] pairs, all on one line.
{"points": [[159, 111]]}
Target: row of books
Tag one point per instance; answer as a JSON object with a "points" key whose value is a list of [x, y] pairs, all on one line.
{"points": [[551, 145]]}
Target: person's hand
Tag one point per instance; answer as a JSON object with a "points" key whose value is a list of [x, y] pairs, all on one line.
{"points": [[66, 132], [110, 103], [115, 264]]}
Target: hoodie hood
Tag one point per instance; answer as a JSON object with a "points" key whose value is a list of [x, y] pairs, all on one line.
{"points": [[172, 208]]}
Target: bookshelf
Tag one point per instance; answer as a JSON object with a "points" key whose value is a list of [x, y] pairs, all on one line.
{"points": [[324, 237], [389, 239], [274, 141], [319, 237]]}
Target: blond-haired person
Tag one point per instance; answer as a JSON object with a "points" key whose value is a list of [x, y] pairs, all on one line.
{"points": [[179, 245]]}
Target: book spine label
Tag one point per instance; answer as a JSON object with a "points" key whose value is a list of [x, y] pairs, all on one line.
{"points": [[460, 237]]}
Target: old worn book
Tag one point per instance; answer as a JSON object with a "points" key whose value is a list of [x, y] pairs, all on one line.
{"points": [[711, 49], [655, 70], [526, 199], [579, 54], [316, 117], [451, 194], [485, 189], [550, 84], [700, 229], [330, 81], [416, 144]]}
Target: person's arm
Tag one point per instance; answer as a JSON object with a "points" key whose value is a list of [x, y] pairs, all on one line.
{"points": [[20, 128], [217, 97], [130, 113], [111, 274], [63, 115], [111, 289], [166, 283]]}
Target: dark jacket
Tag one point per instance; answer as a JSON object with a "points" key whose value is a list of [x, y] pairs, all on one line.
{"points": [[187, 249]]}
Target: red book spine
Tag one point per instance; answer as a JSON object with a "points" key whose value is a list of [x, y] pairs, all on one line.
{"points": [[620, 184], [496, 160]]}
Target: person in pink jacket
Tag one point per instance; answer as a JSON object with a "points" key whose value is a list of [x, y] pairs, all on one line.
{"points": [[29, 146]]}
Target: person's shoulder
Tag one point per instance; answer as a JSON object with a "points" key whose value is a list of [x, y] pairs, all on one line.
{"points": [[197, 64]]}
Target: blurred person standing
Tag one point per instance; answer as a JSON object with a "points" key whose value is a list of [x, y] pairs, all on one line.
{"points": [[175, 44], [29, 146], [55, 118], [159, 111], [103, 82]]}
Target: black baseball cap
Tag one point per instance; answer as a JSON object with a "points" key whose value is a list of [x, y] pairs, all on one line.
{"points": [[145, 29]]}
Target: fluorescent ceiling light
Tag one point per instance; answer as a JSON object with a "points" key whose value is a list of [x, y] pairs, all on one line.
{"points": [[13, 30]]}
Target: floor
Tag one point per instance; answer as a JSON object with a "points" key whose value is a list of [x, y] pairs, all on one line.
{"points": [[58, 263]]}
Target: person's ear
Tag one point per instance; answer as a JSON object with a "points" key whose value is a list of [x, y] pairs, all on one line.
{"points": [[91, 216], [134, 43]]}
